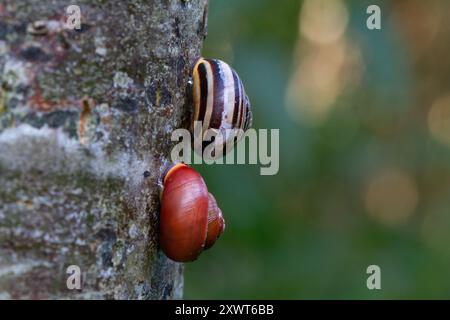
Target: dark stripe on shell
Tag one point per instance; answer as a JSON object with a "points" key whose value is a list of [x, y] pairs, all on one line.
{"points": [[218, 101], [237, 99], [203, 91], [248, 114]]}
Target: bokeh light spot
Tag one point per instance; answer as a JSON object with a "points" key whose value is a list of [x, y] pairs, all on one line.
{"points": [[391, 197], [323, 21], [439, 120]]}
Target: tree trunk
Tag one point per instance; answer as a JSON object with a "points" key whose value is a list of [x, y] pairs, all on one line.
{"points": [[85, 123]]}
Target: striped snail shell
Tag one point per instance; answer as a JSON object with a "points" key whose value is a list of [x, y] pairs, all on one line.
{"points": [[219, 101], [190, 220]]}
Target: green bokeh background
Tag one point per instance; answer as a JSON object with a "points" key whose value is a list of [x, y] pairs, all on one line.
{"points": [[306, 232]]}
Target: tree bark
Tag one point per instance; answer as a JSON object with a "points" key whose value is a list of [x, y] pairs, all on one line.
{"points": [[85, 123]]}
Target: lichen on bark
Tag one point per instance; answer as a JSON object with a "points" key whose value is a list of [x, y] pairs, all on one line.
{"points": [[85, 123]]}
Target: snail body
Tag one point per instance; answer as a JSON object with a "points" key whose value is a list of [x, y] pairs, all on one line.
{"points": [[190, 219], [219, 102]]}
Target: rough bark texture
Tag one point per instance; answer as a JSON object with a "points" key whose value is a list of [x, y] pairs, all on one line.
{"points": [[85, 124]]}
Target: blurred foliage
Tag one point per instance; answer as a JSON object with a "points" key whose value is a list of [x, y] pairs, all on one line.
{"points": [[364, 178]]}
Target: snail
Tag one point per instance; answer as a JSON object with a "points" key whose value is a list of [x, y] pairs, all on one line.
{"points": [[220, 104], [190, 219]]}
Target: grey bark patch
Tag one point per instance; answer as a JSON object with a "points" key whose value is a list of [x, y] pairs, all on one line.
{"points": [[127, 104], [34, 54]]}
